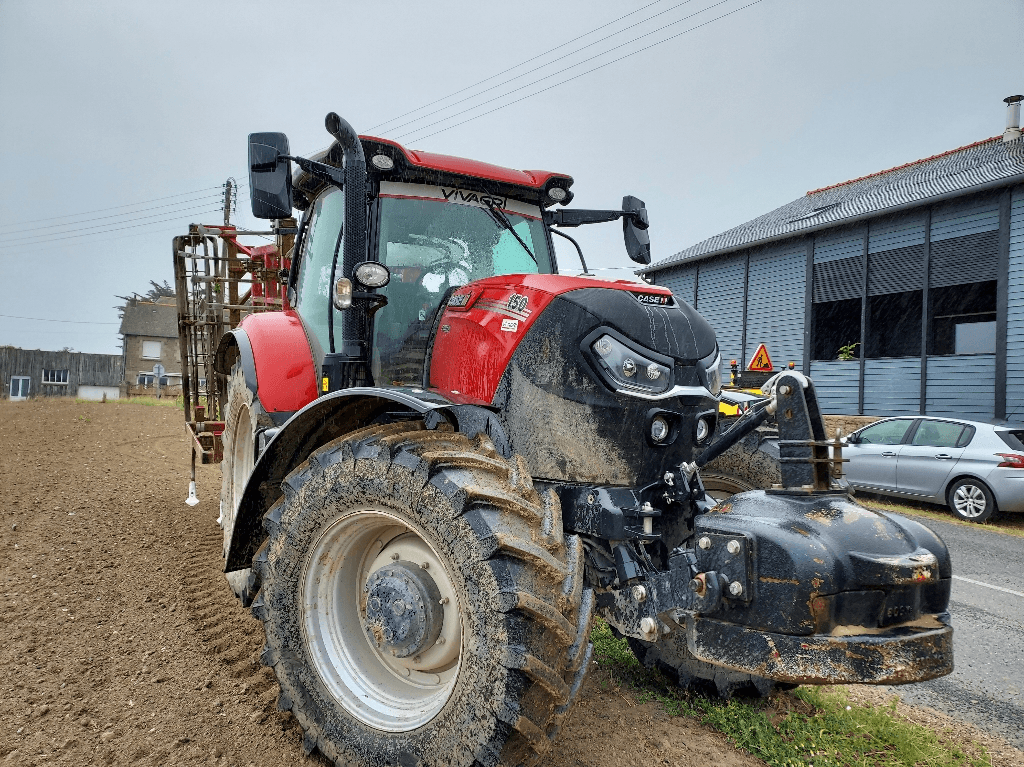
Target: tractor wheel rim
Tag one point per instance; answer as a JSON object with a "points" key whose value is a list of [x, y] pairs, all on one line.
{"points": [[242, 452], [343, 635], [969, 500]]}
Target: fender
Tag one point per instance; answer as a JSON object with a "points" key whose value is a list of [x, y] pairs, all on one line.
{"points": [[328, 418], [276, 359]]}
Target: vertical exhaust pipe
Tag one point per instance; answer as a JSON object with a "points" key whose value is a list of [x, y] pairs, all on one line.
{"points": [[1012, 118]]}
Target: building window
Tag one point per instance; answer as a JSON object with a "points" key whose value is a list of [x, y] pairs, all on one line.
{"points": [[20, 386], [145, 379], [150, 350], [962, 319], [835, 324], [55, 377], [894, 325]]}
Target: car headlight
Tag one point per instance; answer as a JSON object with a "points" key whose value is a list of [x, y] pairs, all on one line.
{"points": [[624, 368], [712, 366]]}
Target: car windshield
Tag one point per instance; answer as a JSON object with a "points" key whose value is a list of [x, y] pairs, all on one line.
{"points": [[429, 246]]}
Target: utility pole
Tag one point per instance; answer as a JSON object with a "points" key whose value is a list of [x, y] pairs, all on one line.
{"points": [[229, 193]]}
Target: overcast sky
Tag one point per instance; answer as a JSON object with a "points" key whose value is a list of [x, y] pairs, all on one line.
{"points": [[120, 120]]}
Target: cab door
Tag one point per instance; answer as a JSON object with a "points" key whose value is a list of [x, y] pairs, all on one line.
{"points": [[926, 462], [874, 455]]}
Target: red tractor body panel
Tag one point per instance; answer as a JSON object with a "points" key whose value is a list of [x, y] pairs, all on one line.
{"points": [[476, 340], [443, 163], [285, 371]]}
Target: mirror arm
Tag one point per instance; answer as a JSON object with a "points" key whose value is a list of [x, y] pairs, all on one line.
{"points": [[321, 171]]}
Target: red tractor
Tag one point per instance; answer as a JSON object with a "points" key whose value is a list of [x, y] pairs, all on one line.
{"points": [[442, 458]]}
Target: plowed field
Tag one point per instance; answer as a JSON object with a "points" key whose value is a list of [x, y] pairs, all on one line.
{"points": [[120, 642]]}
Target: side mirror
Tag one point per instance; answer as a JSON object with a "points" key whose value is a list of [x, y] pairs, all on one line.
{"points": [[851, 439], [270, 176], [634, 230]]}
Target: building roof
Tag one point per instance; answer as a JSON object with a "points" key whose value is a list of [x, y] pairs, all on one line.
{"points": [[144, 318], [974, 167]]}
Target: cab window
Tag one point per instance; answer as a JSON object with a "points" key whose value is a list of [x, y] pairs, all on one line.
{"points": [[313, 290]]}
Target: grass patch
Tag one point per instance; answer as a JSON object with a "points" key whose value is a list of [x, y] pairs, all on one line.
{"points": [[1010, 524], [177, 402], [805, 727]]}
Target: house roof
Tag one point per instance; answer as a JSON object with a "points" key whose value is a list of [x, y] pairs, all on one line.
{"points": [[143, 318], [983, 164]]}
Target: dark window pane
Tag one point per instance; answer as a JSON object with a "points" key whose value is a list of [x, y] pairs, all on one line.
{"points": [[937, 434], [885, 433], [835, 324], [962, 319], [894, 325]]}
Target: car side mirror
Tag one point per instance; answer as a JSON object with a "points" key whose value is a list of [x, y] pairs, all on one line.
{"points": [[851, 439], [634, 230], [270, 176]]}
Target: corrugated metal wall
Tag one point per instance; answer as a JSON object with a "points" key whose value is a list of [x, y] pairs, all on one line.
{"points": [[838, 265], [1015, 311], [962, 386], [836, 383], [681, 281], [720, 301], [775, 303], [892, 386]]}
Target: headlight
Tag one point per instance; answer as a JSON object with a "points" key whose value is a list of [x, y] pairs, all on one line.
{"points": [[626, 369], [712, 365]]}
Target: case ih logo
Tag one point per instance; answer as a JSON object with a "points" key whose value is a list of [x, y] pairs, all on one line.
{"points": [[459, 195], [653, 299], [517, 302]]}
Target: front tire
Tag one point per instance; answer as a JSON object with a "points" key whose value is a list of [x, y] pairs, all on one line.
{"points": [[421, 604], [970, 500]]}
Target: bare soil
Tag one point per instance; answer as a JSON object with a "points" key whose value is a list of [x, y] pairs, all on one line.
{"points": [[121, 643]]}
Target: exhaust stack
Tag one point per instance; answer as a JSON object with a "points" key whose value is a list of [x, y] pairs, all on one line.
{"points": [[1013, 130]]}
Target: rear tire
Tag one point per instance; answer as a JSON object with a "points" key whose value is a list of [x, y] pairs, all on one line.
{"points": [[371, 530], [243, 415], [672, 658], [970, 500]]}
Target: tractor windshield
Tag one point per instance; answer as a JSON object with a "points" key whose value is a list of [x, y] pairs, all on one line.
{"points": [[430, 245]]}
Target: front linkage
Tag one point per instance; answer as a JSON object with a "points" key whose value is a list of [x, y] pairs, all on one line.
{"points": [[795, 584]]}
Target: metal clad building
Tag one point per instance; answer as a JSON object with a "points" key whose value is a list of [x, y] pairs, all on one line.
{"points": [[918, 269]]}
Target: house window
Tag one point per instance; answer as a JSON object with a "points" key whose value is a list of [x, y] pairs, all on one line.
{"points": [[962, 319], [894, 325], [150, 350], [835, 324], [55, 377], [20, 387], [145, 379]]}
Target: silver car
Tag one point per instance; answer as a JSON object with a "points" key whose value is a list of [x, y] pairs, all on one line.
{"points": [[974, 467]]}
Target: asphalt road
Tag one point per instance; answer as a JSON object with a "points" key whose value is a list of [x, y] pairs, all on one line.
{"points": [[986, 687]]}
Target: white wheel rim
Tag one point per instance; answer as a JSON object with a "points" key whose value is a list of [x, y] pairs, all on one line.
{"points": [[969, 501], [388, 693], [242, 450]]}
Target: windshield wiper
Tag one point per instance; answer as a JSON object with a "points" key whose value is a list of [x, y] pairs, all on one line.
{"points": [[502, 220]]}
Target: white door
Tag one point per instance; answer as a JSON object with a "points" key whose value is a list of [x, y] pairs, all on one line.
{"points": [[19, 387]]}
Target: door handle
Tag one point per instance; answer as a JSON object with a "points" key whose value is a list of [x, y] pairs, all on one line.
{"points": [[888, 454], [943, 456]]}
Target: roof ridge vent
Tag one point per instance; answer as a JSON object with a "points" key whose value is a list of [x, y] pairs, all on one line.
{"points": [[1012, 118]]}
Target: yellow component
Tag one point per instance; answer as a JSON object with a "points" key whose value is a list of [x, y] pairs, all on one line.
{"points": [[727, 410], [324, 384]]}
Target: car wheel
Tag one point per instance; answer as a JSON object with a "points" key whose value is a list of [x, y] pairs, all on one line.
{"points": [[971, 500]]}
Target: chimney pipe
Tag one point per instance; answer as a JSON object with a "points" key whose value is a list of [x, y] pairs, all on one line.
{"points": [[1013, 130]]}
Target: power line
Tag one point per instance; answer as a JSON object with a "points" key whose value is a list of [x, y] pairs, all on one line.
{"points": [[560, 58], [75, 237], [115, 215], [521, 63], [575, 77], [27, 241], [127, 205], [47, 319], [52, 247]]}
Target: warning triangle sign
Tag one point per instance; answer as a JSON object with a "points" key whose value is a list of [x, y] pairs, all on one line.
{"points": [[761, 362]]}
